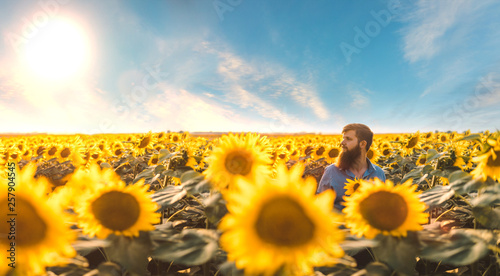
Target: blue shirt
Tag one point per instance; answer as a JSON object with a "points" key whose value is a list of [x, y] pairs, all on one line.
{"points": [[335, 178]]}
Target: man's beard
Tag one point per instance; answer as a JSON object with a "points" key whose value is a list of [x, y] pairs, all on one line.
{"points": [[348, 157]]}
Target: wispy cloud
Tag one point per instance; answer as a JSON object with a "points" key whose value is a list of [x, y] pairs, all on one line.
{"points": [[487, 90], [359, 99], [428, 23], [184, 110], [434, 25], [264, 78]]}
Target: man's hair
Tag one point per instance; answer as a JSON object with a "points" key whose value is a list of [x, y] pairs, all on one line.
{"points": [[362, 133]]}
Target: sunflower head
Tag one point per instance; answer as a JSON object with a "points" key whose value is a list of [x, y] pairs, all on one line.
{"points": [[280, 223], [111, 207], [384, 208], [236, 156], [422, 159], [488, 164], [42, 236], [352, 185]]}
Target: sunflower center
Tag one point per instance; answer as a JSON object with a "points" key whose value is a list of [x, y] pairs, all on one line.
{"points": [[308, 150], [238, 162], [144, 142], [333, 153], [283, 222], [52, 151], [369, 154], [384, 210], [175, 139], [31, 229], [116, 210], [118, 152], [40, 150], [320, 151], [65, 152], [154, 160], [412, 142], [422, 160], [386, 152], [355, 187], [494, 162]]}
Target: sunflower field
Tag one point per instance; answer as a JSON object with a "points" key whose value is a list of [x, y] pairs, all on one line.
{"points": [[245, 204]]}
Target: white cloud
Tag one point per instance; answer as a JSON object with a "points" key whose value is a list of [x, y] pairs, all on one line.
{"points": [[487, 91], [433, 23], [359, 100], [179, 109], [263, 77]]}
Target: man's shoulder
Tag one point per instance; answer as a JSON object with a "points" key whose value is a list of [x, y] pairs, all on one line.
{"points": [[331, 167], [379, 172]]}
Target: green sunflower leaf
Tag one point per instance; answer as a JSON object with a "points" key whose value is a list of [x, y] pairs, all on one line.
{"points": [[398, 253], [130, 252], [437, 195], [190, 247], [168, 196], [458, 247], [487, 216]]}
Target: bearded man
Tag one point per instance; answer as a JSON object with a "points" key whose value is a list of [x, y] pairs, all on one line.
{"points": [[351, 164]]}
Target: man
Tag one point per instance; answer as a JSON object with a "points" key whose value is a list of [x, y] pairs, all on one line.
{"points": [[352, 162]]}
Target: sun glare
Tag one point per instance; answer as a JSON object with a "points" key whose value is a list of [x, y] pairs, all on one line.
{"points": [[59, 51]]}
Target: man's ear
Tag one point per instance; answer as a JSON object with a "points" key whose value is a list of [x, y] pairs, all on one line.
{"points": [[362, 144]]}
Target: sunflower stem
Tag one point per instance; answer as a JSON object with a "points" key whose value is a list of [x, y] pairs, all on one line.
{"points": [[103, 252], [445, 212], [437, 266], [465, 200], [197, 200], [473, 268], [487, 269], [176, 213], [433, 182], [205, 269], [169, 266]]}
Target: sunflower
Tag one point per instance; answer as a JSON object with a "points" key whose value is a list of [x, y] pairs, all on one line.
{"points": [[373, 154], [387, 151], [319, 151], [352, 185], [444, 138], [488, 163], [67, 152], [117, 149], [50, 151], [422, 159], [144, 142], [175, 137], [411, 143], [13, 154], [236, 156], [383, 208], [280, 223], [112, 207], [42, 237], [428, 136], [332, 153]]}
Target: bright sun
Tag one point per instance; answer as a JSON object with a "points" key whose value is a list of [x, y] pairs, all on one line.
{"points": [[58, 51]]}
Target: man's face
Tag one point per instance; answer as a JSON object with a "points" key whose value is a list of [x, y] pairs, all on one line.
{"points": [[351, 150], [349, 140]]}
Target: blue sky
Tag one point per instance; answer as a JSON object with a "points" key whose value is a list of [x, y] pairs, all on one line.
{"points": [[92, 66]]}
